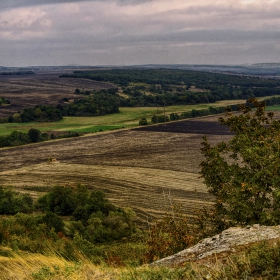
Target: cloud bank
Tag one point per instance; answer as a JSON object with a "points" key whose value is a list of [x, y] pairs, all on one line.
{"points": [[126, 32]]}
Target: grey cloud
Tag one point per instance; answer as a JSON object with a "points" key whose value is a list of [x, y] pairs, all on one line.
{"points": [[7, 4], [106, 34], [26, 3]]}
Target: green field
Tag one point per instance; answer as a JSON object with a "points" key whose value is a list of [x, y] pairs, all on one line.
{"points": [[273, 108], [128, 117]]}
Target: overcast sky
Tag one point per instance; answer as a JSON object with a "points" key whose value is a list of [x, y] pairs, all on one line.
{"points": [[129, 32]]}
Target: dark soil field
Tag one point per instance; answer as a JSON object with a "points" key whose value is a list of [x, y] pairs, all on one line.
{"points": [[42, 88], [145, 168], [202, 126]]}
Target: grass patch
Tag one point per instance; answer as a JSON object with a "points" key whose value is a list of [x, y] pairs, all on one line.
{"points": [[273, 108]]}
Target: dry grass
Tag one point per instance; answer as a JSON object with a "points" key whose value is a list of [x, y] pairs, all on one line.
{"points": [[23, 266]]}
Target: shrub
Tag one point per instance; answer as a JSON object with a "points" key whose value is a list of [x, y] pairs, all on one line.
{"points": [[12, 202], [53, 221], [95, 218], [160, 119], [143, 121]]}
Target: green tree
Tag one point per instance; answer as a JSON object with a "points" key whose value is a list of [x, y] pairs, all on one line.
{"points": [[60, 200], [34, 135], [243, 174]]}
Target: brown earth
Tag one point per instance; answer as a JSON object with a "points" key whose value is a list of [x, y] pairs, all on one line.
{"points": [[146, 168], [42, 88]]}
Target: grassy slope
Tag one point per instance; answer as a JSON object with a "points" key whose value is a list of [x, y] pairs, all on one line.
{"points": [[259, 261]]}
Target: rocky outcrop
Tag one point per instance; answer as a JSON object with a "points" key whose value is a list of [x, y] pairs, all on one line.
{"points": [[220, 245]]}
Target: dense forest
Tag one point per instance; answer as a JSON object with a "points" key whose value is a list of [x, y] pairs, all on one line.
{"points": [[142, 87]]}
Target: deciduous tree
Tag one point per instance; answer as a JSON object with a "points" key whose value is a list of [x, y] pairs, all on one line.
{"points": [[244, 173]]}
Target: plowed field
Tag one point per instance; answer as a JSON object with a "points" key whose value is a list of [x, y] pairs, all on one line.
{"points": [[41, 88], [141, 168]]}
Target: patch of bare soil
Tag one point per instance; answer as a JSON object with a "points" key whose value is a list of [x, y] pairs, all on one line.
{"points": [[145, 170], [202, 126], [42, 88]]}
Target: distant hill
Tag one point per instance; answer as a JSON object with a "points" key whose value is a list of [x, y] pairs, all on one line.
{"points": [[259, 69]]}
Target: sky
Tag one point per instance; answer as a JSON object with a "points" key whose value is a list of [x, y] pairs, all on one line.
{"points": [[135, 32]]}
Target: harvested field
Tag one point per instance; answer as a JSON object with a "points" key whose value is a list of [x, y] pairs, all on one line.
{"points": [[141, 168], [42, 88]]}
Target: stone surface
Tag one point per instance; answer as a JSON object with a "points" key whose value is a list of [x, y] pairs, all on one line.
{"points": [[222, 244]]}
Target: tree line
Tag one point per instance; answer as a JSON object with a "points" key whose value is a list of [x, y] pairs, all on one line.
{"points": [[18, 138]]}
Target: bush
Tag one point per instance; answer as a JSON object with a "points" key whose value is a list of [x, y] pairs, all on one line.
{"points": [[95, 218], [160, 119], [143, 121], [12, 202], [53, 221]]}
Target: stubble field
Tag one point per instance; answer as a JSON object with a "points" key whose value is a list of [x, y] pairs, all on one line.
{"points": [[143, 168]]}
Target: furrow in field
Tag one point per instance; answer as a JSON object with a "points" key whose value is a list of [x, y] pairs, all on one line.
{"points": [[144, 189]]}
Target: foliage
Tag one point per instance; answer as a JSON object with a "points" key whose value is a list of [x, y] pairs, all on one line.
{"points": [[60, 200], [96, 104], [16, 138], [159, 119], [95, 218], [53, 221], [38, 114], [17, 73], [152, 87], [143, 121], [13, 202], [191, 114], [4, 101], [34, 135], [100, 222], [243, 174]]}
